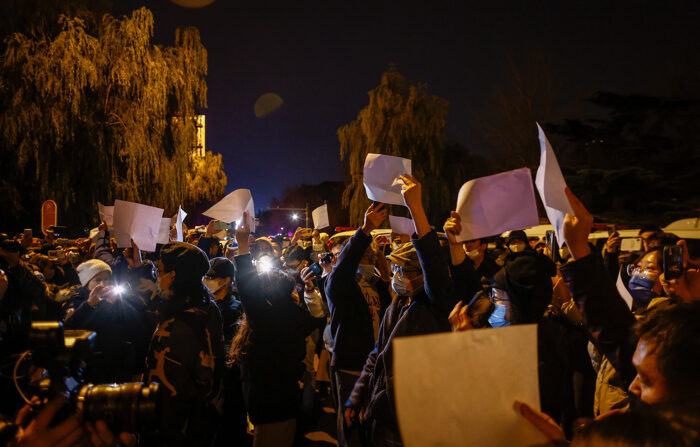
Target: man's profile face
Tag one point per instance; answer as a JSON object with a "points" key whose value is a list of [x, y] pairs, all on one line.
{"points": [[649, 384]]}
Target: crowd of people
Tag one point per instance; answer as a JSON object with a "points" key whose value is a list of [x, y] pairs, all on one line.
{"points": [[242, 334]]}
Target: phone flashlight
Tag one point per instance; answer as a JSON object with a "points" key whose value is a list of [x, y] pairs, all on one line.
{"points": [[119, 289]]}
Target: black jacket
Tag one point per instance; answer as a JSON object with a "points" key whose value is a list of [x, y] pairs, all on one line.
{"points": [[426, 313], [272, 364], [351, 320]]}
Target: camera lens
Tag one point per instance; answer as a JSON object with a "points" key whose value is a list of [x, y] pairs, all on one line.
{"points": [[131, 407]]}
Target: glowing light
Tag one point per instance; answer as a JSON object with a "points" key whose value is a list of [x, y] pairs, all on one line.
{"points": [[295, 216], [264, 264], [119, 289]]}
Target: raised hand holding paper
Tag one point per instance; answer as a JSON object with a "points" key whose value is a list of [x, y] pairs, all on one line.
{"points": [[138, 222], [382, 177], [232, 207], [450, 366], [320, 217], [497, 203], [550, 184], [402, 225]]}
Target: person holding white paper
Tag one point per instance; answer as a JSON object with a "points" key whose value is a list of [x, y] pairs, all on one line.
{"points": [[425, 297], [357, 299]]}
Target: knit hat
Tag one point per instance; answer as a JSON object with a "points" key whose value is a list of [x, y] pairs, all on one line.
{"points": [[89, 269], [185, 259], [405, 256], [221, 268], [527, 279], [518, 235]]}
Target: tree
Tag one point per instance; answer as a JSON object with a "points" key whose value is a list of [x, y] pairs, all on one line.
{"points": [[401, 120], [641, 164], [96, 112]]}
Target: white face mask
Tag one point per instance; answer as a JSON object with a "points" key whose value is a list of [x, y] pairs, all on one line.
{"points": [[473, 254], [163, 294], [517, 247], [214, 284], [402, 286]]}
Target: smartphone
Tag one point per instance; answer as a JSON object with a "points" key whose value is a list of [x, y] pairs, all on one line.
{"points": [[631, 244], [611, 230], [383, 239], [552, 246], [28, 233], [673, 261], [218, 226], [316, 269]]}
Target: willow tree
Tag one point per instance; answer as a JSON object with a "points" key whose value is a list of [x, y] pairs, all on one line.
{"points": [[97, 112], [402, 120]]}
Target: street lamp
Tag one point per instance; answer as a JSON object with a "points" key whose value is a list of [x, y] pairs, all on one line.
{"points": [[295, 216]]}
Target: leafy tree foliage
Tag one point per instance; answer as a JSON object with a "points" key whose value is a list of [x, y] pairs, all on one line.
{"points": [[402, 120], [641, 164], [96, 112]]}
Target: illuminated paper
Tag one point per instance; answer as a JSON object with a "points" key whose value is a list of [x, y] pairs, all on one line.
{"points": [[164, 231], [179, 219], [457, 389], [550, 184], [320, 217], [381, 177], [138, 222], [231, 208], [497, 203], [106, 215], [94, 232], [622, 290], [402, 225]]}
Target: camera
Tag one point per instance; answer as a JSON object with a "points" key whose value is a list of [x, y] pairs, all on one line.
{"points": [[126, 407]]}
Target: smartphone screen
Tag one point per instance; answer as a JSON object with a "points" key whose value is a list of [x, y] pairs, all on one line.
{"points": [[631, 244], [673, 262]]}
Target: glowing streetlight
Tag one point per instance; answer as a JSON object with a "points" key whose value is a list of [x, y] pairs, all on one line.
{"points": [[295, 216]]}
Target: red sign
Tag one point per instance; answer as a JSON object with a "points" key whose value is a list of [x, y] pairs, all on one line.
{"points": [[49, 215]]}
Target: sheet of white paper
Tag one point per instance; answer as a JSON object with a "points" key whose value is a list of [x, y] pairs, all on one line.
{"points": [[231, 208], [164, 231], [106, 214], [497, 203], [320, 217], [402, 225], [94, 232], [138, 222], [381, 177], [179, 219], [441, 397], [622, 290], [550, 184]]}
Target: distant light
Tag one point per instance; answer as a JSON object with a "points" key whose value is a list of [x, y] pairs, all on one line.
{"points": [[282, 228], [118, 289], [295, 216]]}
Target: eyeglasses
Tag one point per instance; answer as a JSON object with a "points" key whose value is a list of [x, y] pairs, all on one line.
{"points": [[643, 272], [401, 271]]}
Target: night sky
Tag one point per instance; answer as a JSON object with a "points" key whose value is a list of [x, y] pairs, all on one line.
{"points": [[322, 57]]}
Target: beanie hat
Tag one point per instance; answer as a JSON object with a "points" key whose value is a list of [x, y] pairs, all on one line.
{"points": [[527, 279], [221, 268], [405, 256], [518, 235], [185, 259], [89, 269]]}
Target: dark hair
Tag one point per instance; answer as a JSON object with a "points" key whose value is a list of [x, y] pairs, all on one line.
{"points": [[662, 239], [635, 429], [480, 309], [647, 228], [675, 333], [276, 284]]}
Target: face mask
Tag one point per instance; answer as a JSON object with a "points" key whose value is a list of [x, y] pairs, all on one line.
{"points": [[641, 288], [498, 316], [516, 247], [401, 285], [214, 284], [366, 271], [473, 254], [163, 294]]}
